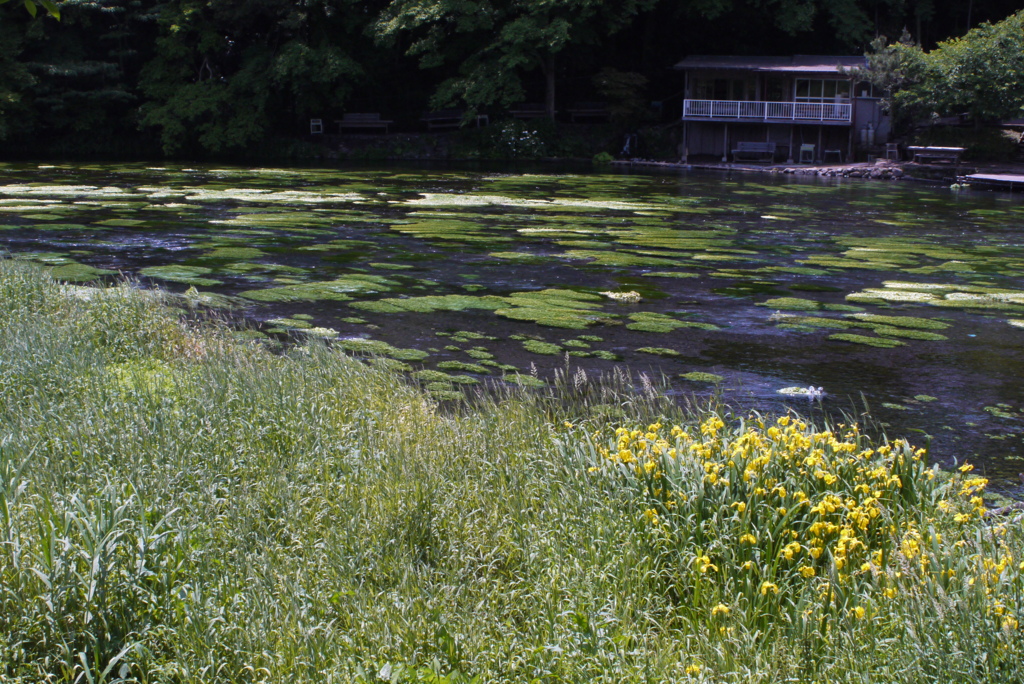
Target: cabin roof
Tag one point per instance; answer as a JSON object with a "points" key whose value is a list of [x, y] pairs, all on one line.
{"points": [[800, 64]]}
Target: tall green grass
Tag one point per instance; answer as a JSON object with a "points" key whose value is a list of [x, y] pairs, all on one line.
{"points": [[180, 505]]}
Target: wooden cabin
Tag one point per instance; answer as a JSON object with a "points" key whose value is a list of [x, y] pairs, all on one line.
{"points": [[802, 106]]}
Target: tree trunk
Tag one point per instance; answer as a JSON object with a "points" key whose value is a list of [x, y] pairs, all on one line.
{"points": [[548, 67]]}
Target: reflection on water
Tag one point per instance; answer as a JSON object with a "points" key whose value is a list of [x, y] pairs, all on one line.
{"points": [[902, 300]]}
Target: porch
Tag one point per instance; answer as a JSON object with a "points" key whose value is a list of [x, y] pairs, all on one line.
{"points": [[836, 114]]}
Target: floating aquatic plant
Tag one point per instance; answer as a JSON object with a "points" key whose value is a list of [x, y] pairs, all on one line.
{"points": [[430, 304], [463, 366], [659, 351], [649, 321], [700, 376], [361, 345], [881, 342], [436, 376], [541, 347], [190, 275], [339, 289], [554, 307]]}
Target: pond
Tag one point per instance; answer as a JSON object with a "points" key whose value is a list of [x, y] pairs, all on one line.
{"points": [[899, 299]]}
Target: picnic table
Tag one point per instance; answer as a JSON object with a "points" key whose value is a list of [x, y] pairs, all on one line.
{"points": [[950, 154]]}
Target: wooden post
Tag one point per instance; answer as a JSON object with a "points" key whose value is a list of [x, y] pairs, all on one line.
{"points": [[725, 145]]}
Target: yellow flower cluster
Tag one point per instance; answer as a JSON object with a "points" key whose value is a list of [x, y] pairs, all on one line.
{"points": [[787, 505]]}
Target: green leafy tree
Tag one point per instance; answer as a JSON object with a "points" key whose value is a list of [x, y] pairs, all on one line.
{"points": [[32, 6], [981, 73], [228, 73], [496, 41], [14, 79], [898, 70], [72, 82]]}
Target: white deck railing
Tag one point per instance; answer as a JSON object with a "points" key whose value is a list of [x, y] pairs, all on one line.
{"points": [[754, 110]]}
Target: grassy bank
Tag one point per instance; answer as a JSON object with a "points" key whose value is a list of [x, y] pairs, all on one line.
{"points": [[177, 505]]}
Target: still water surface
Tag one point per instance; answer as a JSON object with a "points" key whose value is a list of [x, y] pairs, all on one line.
{"points": [[902, 299]]}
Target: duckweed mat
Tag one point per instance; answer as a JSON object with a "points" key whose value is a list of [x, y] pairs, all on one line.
{"points": [[884, 295]]}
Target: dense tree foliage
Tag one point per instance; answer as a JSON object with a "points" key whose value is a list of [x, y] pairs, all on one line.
{"points": [[979, 75], [194, 77], [494, 41], [223, 76]]}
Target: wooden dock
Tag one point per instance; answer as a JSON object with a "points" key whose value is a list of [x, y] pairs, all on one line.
{"points": [[1001, 181]]}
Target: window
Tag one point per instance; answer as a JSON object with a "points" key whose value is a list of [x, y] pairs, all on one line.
{"points": [[723, 89], [821, 90], [775, 90]]}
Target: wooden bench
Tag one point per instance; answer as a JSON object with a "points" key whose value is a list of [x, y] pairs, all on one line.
{"points": [[450, 118], [588, 110], [363, 120], [754, 151], [528, 110], [947, 154]]}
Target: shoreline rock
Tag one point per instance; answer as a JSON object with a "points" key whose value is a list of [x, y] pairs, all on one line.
{"points": [[880, 170]]}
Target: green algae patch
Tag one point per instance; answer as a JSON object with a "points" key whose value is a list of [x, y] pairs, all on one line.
{"points": [[554, 308], [436, 376], [792, 304], [649, 321], [326, 333], [446, 395], [79, 273], [659, 351], [341, 289], [391, 267], [469, 335], [943, 295], [798, 304], [368, 347], [541, 347], [235, 253], [618, 259], [894, 406], [393, 365], [671, 274], [243, 267], [817, 322], [880, 342], [293, 323], [521, 257], [908, 333], [464, 367], [927, 398], [120, 223], [430, 304], [902, 321], [479, 354], [699, 376], [448, 229], [189, 275]]}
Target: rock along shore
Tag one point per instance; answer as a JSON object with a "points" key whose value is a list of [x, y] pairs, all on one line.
{"points": [[878, 170]]}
